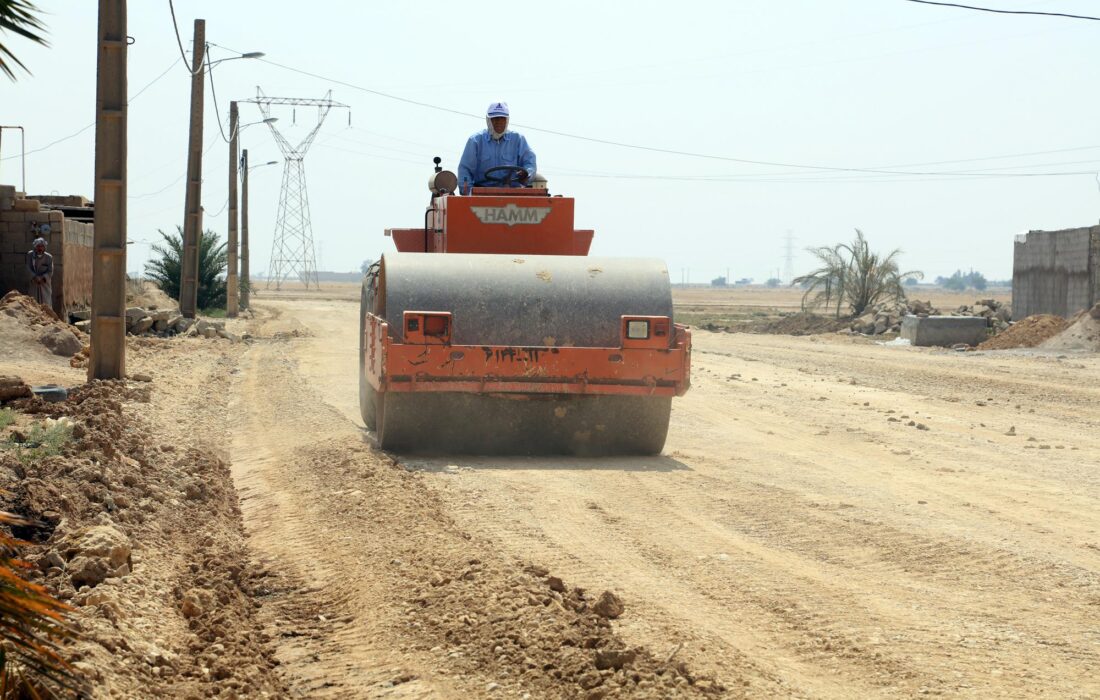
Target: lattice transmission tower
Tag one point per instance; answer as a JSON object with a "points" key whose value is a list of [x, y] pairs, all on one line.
{"points": [[292, 248]]}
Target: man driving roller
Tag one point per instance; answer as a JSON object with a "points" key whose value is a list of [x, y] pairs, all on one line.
{"points": [[504, 152]]}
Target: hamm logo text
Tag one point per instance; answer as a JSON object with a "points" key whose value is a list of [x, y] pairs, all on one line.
{"points": [[511, 215]]}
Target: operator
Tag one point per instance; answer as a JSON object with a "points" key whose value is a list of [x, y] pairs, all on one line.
{"points": [[492, 148]]}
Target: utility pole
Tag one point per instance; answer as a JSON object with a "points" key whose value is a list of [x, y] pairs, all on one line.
{"points": [[788, 258], [192, 214], [231, 289], [245, 284], [108, 358]]}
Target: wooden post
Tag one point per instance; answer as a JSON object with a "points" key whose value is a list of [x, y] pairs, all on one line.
{"points": [[108, 357]]}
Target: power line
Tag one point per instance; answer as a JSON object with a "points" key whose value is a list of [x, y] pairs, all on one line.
{"points": [[213, 143], [1005, 12], [89, 126], [620, 144], [175, 26], [214, 94]]}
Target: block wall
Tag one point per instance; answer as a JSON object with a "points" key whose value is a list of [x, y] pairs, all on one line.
{"points": [[70, 243], [1056, 272]]}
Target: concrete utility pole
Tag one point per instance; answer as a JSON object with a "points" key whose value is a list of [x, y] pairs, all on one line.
{"points": [[231, 289], [192, 214], [108, 359], [245, 284]]}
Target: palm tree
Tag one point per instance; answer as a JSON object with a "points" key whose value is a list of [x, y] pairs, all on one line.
{"points": [[853, 274], [18, 17], [32, 626], [167, 270]]}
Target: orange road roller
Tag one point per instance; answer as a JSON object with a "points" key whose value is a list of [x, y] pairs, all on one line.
{"points": [[491, 331]]}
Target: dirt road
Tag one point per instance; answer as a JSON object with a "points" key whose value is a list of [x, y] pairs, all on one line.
{"points": [[830, 518]]}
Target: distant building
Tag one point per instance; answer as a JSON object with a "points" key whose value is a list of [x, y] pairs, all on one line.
{"points": [[1056, 272], [66, 224]]}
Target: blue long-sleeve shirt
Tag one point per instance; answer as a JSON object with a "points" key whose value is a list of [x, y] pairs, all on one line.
{"points": [[483, 152]]}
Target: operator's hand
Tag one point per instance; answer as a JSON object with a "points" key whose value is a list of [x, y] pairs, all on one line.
{"points": [[523, 175]]}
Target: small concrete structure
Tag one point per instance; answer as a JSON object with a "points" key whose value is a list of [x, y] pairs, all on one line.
{"points": [[944, 330]]}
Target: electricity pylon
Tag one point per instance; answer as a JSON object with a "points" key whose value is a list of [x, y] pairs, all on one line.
{"points": [[292, 247]]}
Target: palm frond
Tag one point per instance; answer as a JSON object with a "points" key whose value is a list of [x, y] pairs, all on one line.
{"points": [[166, 267], [19, 17]]}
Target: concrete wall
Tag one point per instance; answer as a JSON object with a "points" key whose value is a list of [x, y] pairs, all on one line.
{"points": [[1056, 272], [70, 243]]}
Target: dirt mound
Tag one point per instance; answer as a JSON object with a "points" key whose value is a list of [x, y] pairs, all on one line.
{"points": [[26, 309], [798, 324], [556, 640], [150, 296], [24, 321], [1027, 333], [1082, 334], [144, 540]]}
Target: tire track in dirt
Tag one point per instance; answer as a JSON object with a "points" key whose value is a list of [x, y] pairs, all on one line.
{"points": [[814, 547], [383, 594]]}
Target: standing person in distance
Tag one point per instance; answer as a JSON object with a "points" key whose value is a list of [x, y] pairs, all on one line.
{"points": [[40, 264]]}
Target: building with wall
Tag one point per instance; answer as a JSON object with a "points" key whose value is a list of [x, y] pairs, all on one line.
{"points": [[65, 223], [1056, 272]]}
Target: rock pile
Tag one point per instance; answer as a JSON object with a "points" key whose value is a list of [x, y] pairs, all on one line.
{"points": [[886, 317], [161, 323], [163, 592]]}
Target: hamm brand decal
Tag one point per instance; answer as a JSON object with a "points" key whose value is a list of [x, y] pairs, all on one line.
{"points": [[511, 215]]}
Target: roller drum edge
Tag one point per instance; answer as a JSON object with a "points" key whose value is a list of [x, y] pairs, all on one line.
{"points": [[457, 423]]}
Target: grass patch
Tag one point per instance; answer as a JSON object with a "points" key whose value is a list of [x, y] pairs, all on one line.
{"points": [[45, 439], [7, 417], [213, 313]]}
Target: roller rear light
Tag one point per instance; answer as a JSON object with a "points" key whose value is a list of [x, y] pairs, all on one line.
{"points": [[646, 331], [427, 327]]}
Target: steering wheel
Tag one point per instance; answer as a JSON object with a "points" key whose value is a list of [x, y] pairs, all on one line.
{"points": [[504, 175]]}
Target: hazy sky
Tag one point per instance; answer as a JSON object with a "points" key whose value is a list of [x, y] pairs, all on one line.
{"points": [[803, 84]]}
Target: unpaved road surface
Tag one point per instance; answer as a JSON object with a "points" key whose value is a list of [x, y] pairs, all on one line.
{"points": [[830, 518]]}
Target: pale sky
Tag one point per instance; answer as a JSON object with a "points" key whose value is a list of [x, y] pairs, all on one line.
{"points": [[805, 84]]}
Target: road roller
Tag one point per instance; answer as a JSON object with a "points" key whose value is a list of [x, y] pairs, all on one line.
{"points": [[492, 331]]}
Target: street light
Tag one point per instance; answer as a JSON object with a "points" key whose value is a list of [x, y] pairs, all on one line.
{"points": [[245, 168], [192, 226], [232, 286]]}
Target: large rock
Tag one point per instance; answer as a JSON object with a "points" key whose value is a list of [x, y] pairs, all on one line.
{"points": [[61, 341], [142, 325], [97, 553], [13, 388], [609, 605], [181, 324], [135, 314]]}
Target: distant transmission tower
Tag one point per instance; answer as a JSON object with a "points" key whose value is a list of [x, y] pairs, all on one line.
{"points": [[292, 248], [788, 258]]}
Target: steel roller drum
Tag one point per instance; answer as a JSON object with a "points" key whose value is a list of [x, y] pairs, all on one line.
{"points": [[531, 300], [521, 301]]}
